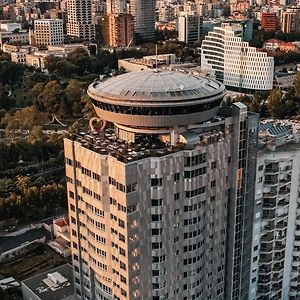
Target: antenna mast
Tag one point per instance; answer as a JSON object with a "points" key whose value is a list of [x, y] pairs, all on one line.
{"points": [[156, 58]]}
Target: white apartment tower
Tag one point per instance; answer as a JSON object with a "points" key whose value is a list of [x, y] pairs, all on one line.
{"points": [[48, 32], [190, 27], [158, 201], [80, 19], [232, 61]]}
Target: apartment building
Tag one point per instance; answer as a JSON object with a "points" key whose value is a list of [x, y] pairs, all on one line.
{"points": [[232, 61], [80, 24], [159, 202], [190, 28], [118, 30], [275, 244], [47, 32]]}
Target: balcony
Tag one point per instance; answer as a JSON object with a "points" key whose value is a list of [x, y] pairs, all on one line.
{"points": [[284, 191], [297, 232], [264, 270], [294, 283], [263, 289], [279, 247], [297, 222], [273, 170], [277, 278], [271, 182], [268, 216], [296, 252], [269, 194], [295, 264], [277, 268], [278, 257], [285, 181], [265, 260], [266, 249], [268, 228], [269, 205], [267, 237], [283, 203]]}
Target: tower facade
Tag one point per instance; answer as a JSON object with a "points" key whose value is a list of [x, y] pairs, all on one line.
{"points": [[232, 61], [158, 200], [190, 28], [118, 30], [80, 19], [48, 32], [143, 12]]}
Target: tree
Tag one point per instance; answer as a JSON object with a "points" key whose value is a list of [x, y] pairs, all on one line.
{"points": [[51, 98], [23, 119], [297, 84], [273, 103], [5, 101], [10, 72], [36, 135]]}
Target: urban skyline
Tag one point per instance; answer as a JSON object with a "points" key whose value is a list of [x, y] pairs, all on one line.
{"points": [[149, 150]]}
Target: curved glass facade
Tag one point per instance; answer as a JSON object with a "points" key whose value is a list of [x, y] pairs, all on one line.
{"points": [[157, 111]]}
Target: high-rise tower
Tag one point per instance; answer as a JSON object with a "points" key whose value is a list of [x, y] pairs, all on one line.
{"points": [[157, 197], [80, 19], [143, 12]]}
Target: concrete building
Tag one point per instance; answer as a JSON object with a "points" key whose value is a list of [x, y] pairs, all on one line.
{"points": [[48, 32], [118, 30], [246, 24], [7, 36], [290, 20], [80, 20], [11, 246], [143, 12], [115, 7], [55, 284], [269, 21], [148, 62], [275, 243], [159, 202], [190, 28], [231, 60]]}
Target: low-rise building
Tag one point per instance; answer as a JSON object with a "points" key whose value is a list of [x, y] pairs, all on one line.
{"points": [[55, 284], [147, 62], [284, 80], [11, 246]]}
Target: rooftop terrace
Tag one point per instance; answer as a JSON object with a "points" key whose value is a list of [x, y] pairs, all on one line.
{"points": [[107, 143]]}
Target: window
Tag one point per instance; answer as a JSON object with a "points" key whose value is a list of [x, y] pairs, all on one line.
{"points": [[261, 167], [156, 182], [176, 196], [156, 202], [176, 176], [213, 165], [156, 218], [213, 183], [156, 231], [156, 245]]}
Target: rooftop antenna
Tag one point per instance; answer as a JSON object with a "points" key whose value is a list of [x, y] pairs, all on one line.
{"points": [[156, 58]]}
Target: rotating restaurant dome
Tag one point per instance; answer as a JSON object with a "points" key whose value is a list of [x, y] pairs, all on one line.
{"points": [[156, 98]]}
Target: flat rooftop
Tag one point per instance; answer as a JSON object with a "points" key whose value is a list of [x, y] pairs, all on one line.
{"points": [[107, 142], [8, 243], [46, 289]]}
